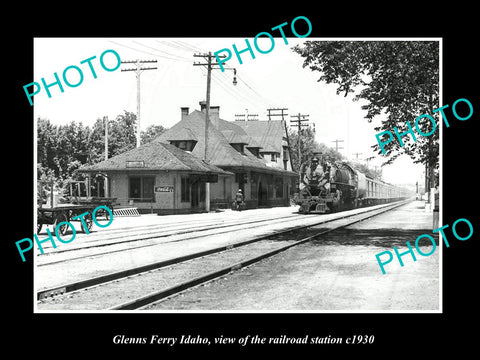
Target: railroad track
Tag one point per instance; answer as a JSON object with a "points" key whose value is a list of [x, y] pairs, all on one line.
{"points": [[146, 232], [139, 287], [56, 256]]}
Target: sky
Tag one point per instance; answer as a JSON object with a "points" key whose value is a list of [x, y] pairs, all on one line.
{"points": [[273, 80]]}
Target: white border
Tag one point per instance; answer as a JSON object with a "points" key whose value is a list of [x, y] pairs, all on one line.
{"points": [[151, 312]]}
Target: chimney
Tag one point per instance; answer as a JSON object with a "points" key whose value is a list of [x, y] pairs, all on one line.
{"points": [[214, 115], [184, 112]]}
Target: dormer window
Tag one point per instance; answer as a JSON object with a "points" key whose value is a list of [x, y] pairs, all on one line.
{"points": [[184, 139], [239, 148], [186, 145], [255, 151]]}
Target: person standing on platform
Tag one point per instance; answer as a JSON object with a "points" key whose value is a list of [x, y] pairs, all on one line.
{"points": [[239, 199]]}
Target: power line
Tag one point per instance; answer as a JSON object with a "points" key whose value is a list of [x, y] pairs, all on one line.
{"points": [[129, 47], [149, 53], [233, 92], [169, 55], [189, 46], [176, 47], [251, 96]]}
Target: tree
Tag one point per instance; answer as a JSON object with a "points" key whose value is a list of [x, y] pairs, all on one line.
{"points": [[45, 143], [373, 173], [62, 149], [308, 147], [151, 133], [399, 80], [121, 136], [122, 133]]}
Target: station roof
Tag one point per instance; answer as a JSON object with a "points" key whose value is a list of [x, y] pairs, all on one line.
{"points": [[219, 151], [155, 156], [183, 135], [234, 138], [269, 134]]}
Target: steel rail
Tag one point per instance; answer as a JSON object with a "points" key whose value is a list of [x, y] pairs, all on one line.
{"points": [[166, 234], [66, 288], [162, 294], [160, 243]]}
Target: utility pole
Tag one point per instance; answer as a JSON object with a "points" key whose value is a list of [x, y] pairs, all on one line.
{"points": [[105, 120], [246, 116], [367, 160], [356, 155], [210, 65], [298, 122], [283, 114], [105, 123], [336, 144], [138, 70], [277, 109]]}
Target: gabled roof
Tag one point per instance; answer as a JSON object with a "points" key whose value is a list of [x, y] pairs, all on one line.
{"points": [[183, 135], [252, 143], [234, 138], [269, 134], [219, 151], [154, 156], [241, 137]]}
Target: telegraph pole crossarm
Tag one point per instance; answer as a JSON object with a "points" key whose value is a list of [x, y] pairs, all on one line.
{"points": [[356, 155], [336, 144], [283, 114], [141, 69]]}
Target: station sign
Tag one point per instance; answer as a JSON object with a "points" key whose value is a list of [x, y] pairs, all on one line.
{"points": [[135, 164]]}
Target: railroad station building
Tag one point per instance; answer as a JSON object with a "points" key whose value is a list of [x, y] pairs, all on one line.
{"points": [[168, 175]]}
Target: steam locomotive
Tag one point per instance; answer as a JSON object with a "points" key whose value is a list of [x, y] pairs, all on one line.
{"points": [[337, 186]]}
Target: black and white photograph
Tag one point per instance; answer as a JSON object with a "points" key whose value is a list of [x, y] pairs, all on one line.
{"points": [[213, 177], [273, 186]]}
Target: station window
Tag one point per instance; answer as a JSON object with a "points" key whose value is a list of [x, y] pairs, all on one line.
{"points": [[241, 178], [273, 157], [254, 151], [141, 188], [239, 148], [279, 187], [185, 189], [270, 190], [186, 145]]}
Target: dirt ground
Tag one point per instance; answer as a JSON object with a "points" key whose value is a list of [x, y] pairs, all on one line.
{"points": [[338, 272]]}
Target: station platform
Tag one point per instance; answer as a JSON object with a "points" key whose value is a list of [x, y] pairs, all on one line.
{"points": [[412, 216], [336, 273]]}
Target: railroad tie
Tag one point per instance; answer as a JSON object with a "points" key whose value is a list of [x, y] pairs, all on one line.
{"points": [[126, 212]]}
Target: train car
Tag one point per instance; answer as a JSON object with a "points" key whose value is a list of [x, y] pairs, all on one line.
{"points": [[336, 186]]}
